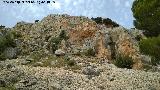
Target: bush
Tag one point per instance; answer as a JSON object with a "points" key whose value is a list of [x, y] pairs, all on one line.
{"points": [[55, 43], [6, 40], [57, 40], [122, 61], [16, 34], [71, 63], [151, 47], [106, 21], [98, 20], [2, 57], [90, 52], [1, 27], [63, 35]]}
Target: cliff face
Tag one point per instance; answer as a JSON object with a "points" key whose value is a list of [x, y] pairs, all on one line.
{"points": [[83, 33]]}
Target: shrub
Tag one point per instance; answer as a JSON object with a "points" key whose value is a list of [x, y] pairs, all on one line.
{"points": [[57, 40], [36, 21], [151, 47], [1, 27], [2, 57], [90, 52], [106, 21], [98, 20], [122, 61], [71, 63], [55, 43], [63, 35], [6, 40], [16, 34]]}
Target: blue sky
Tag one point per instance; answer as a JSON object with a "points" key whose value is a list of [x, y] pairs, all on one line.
{"points": [[117, 10]]}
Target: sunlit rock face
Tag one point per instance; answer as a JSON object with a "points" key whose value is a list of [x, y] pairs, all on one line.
{"points": [[82, 33]]}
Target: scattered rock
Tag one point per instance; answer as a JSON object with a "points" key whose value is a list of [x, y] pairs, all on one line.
{"points": [[91, 71], [110, 78], [59, 52], [38, 64], [11, 52]]}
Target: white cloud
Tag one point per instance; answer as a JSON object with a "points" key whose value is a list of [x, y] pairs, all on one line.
{"points": [[56, 5], [67, 1], [114, 9]]}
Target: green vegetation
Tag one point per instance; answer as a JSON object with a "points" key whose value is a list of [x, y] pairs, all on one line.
{"points": [[55, 43], [16, 34], [98, 20], [52, 61], [122, 61], [8, 88], [90, 52], [147, 15], [1, 27], [63, 35], [106, 21], [57, 40], [151, 46], [6, 40]]}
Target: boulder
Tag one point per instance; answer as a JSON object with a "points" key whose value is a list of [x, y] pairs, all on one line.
{"points": [[11, 52], [91, 71], [59, 52]]}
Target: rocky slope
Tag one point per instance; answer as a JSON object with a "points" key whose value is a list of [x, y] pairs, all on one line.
{"points": [[83, 34], [51, 55], [100, 76]]}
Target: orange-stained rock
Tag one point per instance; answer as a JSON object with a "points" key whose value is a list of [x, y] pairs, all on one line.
{"points": [[102, 51], [83, 34]]}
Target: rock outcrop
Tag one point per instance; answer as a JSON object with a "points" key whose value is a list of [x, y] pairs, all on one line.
{"points": [[83, 33]]}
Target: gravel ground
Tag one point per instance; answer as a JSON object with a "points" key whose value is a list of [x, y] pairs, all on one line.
{"points": [[109, 77]]}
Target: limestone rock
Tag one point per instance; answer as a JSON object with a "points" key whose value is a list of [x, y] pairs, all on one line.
{"points": [[11, 52], [91, 71], [83, 33], [59, 52]]}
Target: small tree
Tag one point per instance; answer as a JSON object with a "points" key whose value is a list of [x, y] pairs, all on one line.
{"points": [[147, 15]]}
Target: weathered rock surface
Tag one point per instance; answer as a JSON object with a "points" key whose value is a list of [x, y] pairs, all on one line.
{"points": [[11, 52], [83, 34], [59, 52]]}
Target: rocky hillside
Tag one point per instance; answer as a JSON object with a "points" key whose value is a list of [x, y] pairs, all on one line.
{"points": [[82, 33], [63, 52]]}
